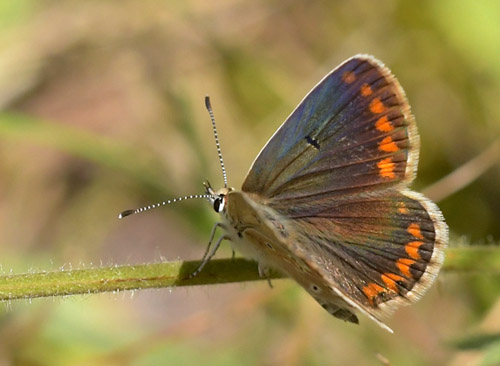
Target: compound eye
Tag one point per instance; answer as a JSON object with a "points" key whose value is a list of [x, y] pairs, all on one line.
{"points": [[219, 204]]}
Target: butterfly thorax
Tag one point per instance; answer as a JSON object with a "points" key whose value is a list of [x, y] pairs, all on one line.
{"points": [[243, 217]]}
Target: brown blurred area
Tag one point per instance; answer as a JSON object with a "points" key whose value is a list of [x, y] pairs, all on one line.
{"points": [[102, 110]]}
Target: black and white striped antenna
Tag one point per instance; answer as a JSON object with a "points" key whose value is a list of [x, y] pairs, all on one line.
{"points": [[159, 204], [209, 195], [221, 160]]}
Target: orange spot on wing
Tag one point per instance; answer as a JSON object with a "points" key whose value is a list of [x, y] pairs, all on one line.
{"points": [[372, 290], [402, 208], [414, 229], [388, 145], [390, 280], [349, 77], [386, 168], [384, 125], [403, 265], [412, 249], [366, 90], [376, 106]]}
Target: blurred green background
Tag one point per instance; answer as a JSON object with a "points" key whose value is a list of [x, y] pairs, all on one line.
{"points": [[102, 110]]}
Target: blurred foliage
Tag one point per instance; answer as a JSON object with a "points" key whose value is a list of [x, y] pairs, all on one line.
{"points": [[102, 110]]}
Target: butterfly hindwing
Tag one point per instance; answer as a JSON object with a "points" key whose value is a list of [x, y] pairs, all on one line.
{"points": [[353, 132], [378, 250], [369, 253]]}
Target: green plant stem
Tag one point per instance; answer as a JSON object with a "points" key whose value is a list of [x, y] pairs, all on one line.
{"points": [[485, 260], [131, 277]]}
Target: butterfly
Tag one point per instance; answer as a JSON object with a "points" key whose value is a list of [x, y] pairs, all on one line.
{"points": [[326, 202]]}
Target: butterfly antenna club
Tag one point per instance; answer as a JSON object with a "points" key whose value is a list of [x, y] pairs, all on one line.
{"points": [[208, 105]]}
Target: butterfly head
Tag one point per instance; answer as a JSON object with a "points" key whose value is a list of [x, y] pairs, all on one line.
{"points": [[217, 198]]}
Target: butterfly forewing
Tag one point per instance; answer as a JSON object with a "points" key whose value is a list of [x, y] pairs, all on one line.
{"points": [[353, 132]]}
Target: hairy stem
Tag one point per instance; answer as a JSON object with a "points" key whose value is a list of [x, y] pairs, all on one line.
{"points": [[484, 259]]}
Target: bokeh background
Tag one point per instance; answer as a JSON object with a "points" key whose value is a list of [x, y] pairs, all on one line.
{"points": [[102, 110]]}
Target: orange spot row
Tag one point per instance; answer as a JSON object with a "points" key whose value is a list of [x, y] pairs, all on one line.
{"points": [[372, 290], [412, 249], [366, 90], [386, 168], [384, 125], [403, 265], [390, 280], [376, 106], [414, 229], [349, 77], [388, 145]]}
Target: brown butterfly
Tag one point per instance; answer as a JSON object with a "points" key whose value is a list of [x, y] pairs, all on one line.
{"points": [[326, 202]]}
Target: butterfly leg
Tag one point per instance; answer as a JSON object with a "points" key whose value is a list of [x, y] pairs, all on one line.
{"points": [[212, 235], [264, 272], [206, 258]]}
